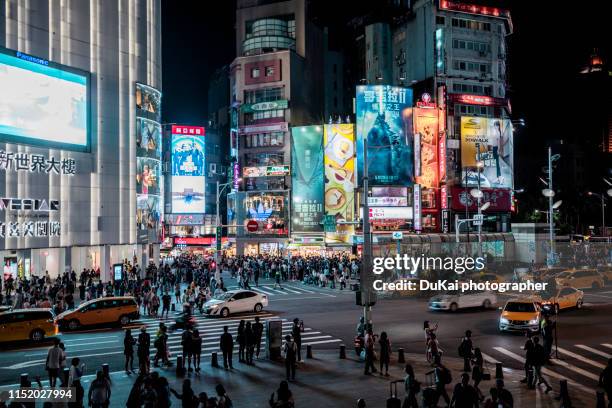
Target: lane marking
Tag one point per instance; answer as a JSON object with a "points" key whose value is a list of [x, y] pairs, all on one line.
{"points": [[581, 358], [594, 351]]}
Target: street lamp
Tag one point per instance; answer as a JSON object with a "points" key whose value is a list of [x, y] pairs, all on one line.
{"points": [[220, 189], [549, 192], [603, 208]]}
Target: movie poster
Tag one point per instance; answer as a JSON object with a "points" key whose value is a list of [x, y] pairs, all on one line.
{"points": [[426, 125], [307, 179], [383, 118], [339, 148]]}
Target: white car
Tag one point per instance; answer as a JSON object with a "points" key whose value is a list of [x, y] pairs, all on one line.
{"points": [[455, 300], [235, 301]]}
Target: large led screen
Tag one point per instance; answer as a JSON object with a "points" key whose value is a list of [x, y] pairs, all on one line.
{"points": [[188, 173], [489, 141], [41, 103], [382, 118]]}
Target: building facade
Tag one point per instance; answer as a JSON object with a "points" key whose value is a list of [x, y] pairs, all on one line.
{"points": [[73, 193]]}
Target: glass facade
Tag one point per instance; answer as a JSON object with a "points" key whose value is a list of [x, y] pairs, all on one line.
{"points": [[269, 34]]}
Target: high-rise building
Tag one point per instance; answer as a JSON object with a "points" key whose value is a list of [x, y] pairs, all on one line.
{"points": [[80, 135]]}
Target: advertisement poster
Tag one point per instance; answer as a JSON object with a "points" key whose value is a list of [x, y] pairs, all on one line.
{"points": [[383, 118], [148, 212], [490, 141], [148, 102], [307, 178], [426, 126], [148, 173], [188, 171], [148, 138], [339, 148], [268, 210]]}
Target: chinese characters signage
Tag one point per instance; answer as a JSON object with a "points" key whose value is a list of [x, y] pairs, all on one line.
{"points": [[263, 106], [500, 199], [382, 118], [307, 178], [426, 125], [36, 163], [37, 229], [265, 171]]}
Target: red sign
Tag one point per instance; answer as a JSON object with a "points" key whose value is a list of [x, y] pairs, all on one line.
{"points": [[442, 145], [188, 130], [473, 9], [252, 226], [444, 197], [483, 100], [499, 198], [194, 240]]}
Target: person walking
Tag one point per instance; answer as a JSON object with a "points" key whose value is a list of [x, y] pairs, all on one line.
{"points": [[99, 392], [249, 337], [226, 344], [296, 333], [528, 347], [369, 352], [161, 346], [412, 387], [605, 381], [284, 398], [144, 347], [258, 331], [187, 396], [434, 353], [166, 300], [478, 371], [538, 360], [464, 395], [548, 328], [241, 342], [74, 381], [385, 353], [55, 355], [187, 347], [290, 350], [223, 400], [196, 349], [277, 277], [465, 351], [128, 351], [441, 377]]}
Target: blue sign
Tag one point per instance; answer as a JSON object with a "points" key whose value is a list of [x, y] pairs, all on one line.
{"points": [[188, 174]]}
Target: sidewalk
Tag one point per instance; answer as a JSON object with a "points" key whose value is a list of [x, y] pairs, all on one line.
{"points": [[327, 381]]}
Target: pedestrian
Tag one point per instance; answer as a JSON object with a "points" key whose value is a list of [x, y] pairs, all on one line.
{"points": [[478, 371], [465, 351], [249, 337], [161, 346], [464, 395], [166, 300], [528, 347], [186, 344], [284, 398], [196, 349], [605, 381], [538, 359], [99, 392], [434, 353], [148, 395], [241, 342], [290, 349], [258, 331], [128, 351], [369, 352], [224, 400], [412, 387], [385, 353], [74, 381], [53, 363], [504, 396], [187, 396], [296, 333], [277, 277], [226, 344], [144, 346], [493, 400], [548, 328], [442, 377]]}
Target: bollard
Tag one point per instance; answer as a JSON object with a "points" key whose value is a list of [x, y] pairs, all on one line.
{"points": [[400, 356], [172, 308], [65, 376], [214, 362], [180, 366], [342, 351], [566, 402], [309, 351], [361, 403], [601, 399], [106, 370], [499, 373], [23, 379]]}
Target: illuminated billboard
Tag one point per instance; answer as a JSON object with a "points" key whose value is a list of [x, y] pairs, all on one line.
{"points": [[148, 138], [307, 178], [489, 141], [188, 169], [339, 142], [383, 117], [426, 125], [42, 103]]}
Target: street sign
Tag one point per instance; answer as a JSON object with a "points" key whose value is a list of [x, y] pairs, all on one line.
{"points": [[218, 238], [329, 223], [397, 235], [478, 218], [252, 226]]}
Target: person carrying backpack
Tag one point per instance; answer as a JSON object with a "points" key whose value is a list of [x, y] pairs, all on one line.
{"points": [[442, 377], [464, 395], [290, 357], [99, 392], [412, 387], [465, 351]]}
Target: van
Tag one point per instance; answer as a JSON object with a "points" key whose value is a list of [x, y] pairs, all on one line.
{"points": [[120, 309], [27, 324]]}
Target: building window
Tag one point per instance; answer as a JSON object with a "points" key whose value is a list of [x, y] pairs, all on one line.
{"points": [[269, 139], [263, 95], [440, 20], [471, 24], [264, 159], [270, 71], [472, 66], [474, 110], [255, 73], [471, 45]]}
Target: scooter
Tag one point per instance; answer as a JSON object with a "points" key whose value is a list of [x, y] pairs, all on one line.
{"points": [[359, 344]]}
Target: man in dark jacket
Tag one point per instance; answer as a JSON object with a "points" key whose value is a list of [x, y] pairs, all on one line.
{"points": [[296, 333], [537, 360], [464, 395], [258, 332], [226, 344], [144, 346]]}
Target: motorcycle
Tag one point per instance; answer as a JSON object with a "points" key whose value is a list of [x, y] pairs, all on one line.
{"points": [[359, 344]]}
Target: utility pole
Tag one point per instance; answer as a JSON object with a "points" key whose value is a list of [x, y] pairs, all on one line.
{"points": [[550, 207], [367, 295]]}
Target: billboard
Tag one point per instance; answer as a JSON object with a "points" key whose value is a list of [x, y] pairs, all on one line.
{"points": [[148, 138], [339, 142], [269, 210], [426, 125], [489, 141], [500, 199], [148, 212], [307, 179], [148, 174], [383, 117], [188, 170], [42, 103]]}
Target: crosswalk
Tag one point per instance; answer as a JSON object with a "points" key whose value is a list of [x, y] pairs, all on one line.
{"points": [[290, 289], [580, 364]]}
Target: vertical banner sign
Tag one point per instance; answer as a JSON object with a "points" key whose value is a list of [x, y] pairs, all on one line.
{"points": [[188, 169], [339, 148], [444, 197], [149, 183], [445, 221], [490, 140], [417, 208], [307, 179], [442, 143], [417, 155], [426, 126], [382, 117]]}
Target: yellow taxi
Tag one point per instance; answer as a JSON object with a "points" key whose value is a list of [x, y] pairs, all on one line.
{"points": [[564, 298], [580, 278], [27, 324], [521, 314], [119, 309], [543, 274]]}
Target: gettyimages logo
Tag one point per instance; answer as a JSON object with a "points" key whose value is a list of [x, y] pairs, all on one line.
{"points": [[412, 265]]}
